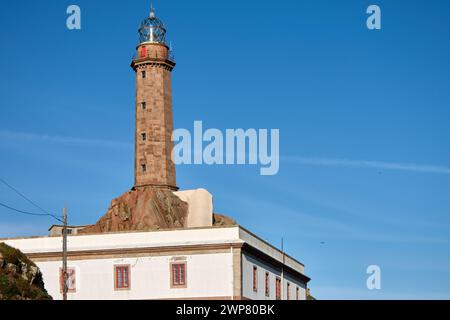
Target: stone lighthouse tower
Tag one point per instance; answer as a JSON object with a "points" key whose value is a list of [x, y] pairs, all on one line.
{"points": [[154, 121], [154, 203]]}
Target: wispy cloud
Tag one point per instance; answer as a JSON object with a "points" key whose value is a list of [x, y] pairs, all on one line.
{"points": [[333, 162], [14, 135]]}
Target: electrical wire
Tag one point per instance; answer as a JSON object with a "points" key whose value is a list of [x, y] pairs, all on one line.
{"points": [[23, 196], [30, 213], [45, 212]]}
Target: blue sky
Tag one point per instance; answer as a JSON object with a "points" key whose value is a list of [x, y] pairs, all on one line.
{"points": [[363, 118]]}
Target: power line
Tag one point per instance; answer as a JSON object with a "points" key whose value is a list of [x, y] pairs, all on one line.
{"points": [[23, 196], [30, 213], [46, 213]]}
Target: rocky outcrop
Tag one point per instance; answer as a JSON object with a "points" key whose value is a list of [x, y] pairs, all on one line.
{"points": [[148, 209], [20, 278], [143, 209], [219, 220]]}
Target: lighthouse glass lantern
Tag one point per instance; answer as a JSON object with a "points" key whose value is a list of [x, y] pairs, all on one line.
{"points": [[152, 30]]}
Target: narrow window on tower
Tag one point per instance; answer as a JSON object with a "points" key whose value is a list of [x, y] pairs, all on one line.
{"points": [[296, 293], [144, 136], [178, 275], [143, 74], [144, 168], [255, 279], [143, 105]]}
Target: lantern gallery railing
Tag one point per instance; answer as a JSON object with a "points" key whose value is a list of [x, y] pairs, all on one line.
{"points": [[155, 55]]}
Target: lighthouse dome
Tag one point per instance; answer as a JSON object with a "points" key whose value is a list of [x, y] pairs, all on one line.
{"points": [[152, 29]]}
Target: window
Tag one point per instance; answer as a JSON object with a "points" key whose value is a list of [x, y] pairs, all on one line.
{"points": [[122, 277], [288, 291], [255, 279], [71, 280], [297, 293], [144, 136], [267, 284], [143, 105], [278, 289], [178, 275], [144, 168], [143, 74]]}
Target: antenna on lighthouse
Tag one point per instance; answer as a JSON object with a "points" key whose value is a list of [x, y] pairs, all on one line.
{"points": [[152, 10]]}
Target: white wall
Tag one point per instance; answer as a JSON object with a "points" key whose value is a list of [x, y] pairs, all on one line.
{"points": [[127, 240], [200, 207], [208, 275], [248, 262]]}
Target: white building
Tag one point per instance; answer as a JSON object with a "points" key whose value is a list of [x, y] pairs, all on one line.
{"points": [[195, 263]]}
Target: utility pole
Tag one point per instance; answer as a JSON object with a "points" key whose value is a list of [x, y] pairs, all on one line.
{"points": [[64, 266]]}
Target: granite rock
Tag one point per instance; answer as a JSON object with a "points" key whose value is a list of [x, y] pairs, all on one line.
{"points": [[142, 209]]}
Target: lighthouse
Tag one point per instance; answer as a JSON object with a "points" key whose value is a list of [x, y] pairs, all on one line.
{"points": [[153, 66]]}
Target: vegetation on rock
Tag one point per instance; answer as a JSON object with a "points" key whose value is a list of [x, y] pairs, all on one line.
{"points": [[20, 278]]}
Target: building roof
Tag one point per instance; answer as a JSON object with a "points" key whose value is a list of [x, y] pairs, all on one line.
{"points": [[69, 227]]}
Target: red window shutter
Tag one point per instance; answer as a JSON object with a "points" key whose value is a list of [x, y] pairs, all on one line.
{"points": [[73, 283], [126, 276], [174, 275], [182, 274], [71, 279], [117, 277], [144, 52]]}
